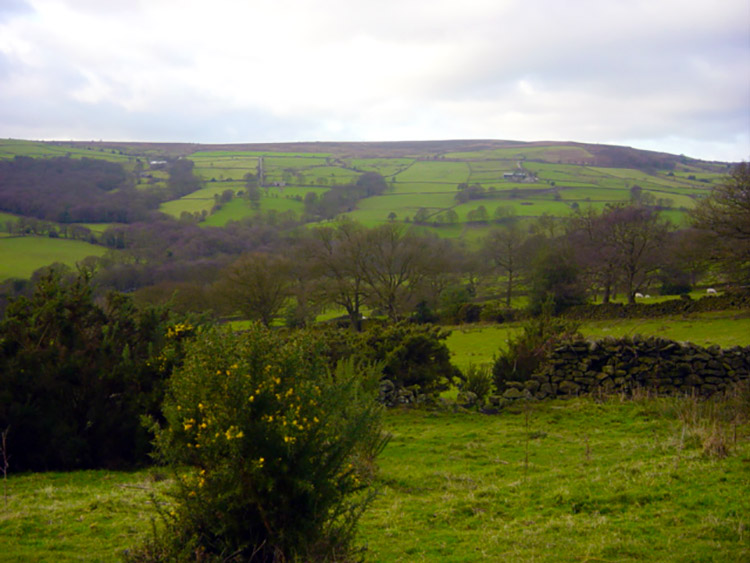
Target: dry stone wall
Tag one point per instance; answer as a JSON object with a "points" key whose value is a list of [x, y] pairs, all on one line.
{"points": [[618, 366], [725, 302]]}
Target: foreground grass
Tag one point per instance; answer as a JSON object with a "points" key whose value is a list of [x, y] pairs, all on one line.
{"points": [[550, 481], [76, 516], [558, 481]]}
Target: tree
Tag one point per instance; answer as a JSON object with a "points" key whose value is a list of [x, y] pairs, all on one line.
{"points": [[252, 190], [478, 215], [623, 244], [636, 235], [502, 248], [422, 215], [726, 214], [555, 280], [597, 260], [256, 284], [338, 256], [394, 264]]}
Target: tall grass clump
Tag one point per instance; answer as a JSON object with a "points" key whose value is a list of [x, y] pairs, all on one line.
{"points": [[711, 425], [273, 451]]}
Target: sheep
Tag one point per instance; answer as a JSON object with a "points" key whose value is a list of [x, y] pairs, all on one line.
{"points": [[639, 296], [710, 291]]}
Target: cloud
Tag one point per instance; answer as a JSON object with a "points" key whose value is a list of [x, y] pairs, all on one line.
{"points": [[656, 72]]}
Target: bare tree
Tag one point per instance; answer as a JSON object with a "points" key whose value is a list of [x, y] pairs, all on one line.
{"points": [[257, 285], [338, 260], [394, 263], [636, 235], [726, 214], [503, 249]]}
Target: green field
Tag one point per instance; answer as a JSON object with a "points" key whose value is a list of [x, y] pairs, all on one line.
{"points": [[566, 176], [478, 344], [435, 172], [21, 256], [574, 480]]}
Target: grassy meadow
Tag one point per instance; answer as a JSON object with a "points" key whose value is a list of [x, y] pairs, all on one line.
{"points": [[575, 480], [478, 344], [21, 256]]}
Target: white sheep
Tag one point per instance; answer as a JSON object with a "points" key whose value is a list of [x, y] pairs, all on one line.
{"points": [[710, 291], [639, 296]]}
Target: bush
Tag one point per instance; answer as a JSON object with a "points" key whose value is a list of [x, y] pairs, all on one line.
{"points": [[497, 312], [527, 351], [76, 376], [478, 380], [411, 356], [274, 450]]}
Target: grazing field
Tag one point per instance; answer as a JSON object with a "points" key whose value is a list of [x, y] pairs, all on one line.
{"points": [[478, 344], [435, 171], [562, 176], [574, 480], [21, 256]]}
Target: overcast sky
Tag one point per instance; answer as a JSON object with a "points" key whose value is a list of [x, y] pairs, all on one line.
{"points": [[671, 75]]}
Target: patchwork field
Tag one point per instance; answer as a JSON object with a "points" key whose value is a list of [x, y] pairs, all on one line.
{"points": [[560, 177]]}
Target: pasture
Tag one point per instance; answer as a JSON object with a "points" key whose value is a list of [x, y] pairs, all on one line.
{"points": [[567, 175], [564, 480], [478, 344], [22, 256]]}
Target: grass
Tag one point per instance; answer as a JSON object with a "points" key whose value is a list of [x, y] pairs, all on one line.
{"points": [[435, 171], [478, 344], [557, 481], [24, 255], [75, 516], [574, 480]]}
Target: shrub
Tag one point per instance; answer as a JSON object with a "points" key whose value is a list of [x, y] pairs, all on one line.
{"points": [[497, 312], [76, 376], [527, 351], [273, 449], [478, 380], [413, 356]]}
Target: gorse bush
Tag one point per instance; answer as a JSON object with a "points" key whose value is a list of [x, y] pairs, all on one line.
{"points": [[76, 375], [274, 451]]}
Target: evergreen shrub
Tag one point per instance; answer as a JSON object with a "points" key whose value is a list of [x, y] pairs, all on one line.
{"points": [[274, 451]]}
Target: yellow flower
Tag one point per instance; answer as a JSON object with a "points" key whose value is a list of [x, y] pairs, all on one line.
{"points": [[252, 398]]}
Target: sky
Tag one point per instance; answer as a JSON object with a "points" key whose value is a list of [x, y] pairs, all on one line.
{"points": [[666, 75]]}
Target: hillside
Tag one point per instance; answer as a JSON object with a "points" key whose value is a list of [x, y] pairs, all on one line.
{"points": [[456, 188]]}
